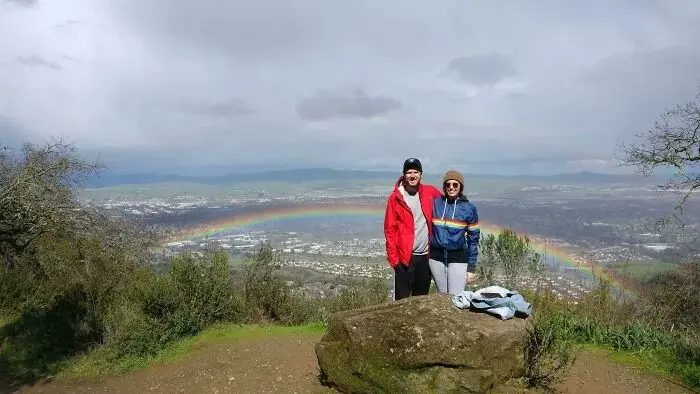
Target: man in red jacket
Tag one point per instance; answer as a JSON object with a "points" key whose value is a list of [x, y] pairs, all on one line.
{"points": [[407, 229]]}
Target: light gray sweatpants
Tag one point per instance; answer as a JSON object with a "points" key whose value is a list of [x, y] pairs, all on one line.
{"points": [[449, 278]]}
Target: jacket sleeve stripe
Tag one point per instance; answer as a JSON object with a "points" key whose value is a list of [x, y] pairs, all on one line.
{"points": [[449, 223]]}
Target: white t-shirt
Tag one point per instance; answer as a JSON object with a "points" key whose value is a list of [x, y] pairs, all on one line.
{"points": [[420, 226]]}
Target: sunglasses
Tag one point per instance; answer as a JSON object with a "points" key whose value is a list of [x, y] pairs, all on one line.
{"points": [[454, 185]]}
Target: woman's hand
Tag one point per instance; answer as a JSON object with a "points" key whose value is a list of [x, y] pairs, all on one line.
{"points": [[470, 276]]}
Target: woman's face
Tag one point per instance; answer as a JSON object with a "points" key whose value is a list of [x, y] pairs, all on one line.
{"points": [[452, 188]]}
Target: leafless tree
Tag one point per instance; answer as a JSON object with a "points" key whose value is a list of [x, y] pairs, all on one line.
{"points": [[673, 143], [37, 193]]}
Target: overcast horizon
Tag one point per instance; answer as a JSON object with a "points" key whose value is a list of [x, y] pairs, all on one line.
{"points": [[211, 87]]}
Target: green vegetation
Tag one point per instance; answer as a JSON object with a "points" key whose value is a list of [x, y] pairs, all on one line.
{"points": [[634, 328], [642, 270], [509, 254], [155, 310]]}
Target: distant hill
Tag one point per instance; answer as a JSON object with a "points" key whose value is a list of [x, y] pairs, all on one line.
{"points": [[326, 174], [295, 175], [594, 177]]}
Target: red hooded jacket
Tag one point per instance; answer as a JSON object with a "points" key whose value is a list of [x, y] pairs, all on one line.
{"points": [[398, 222]]}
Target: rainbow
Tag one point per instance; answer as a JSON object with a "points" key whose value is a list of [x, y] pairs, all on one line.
{"points": [[555, 255]]}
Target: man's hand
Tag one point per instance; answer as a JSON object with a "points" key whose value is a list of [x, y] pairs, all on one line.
{"points": [[470, 276]]}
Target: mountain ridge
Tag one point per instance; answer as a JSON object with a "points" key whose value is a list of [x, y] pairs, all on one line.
{"points": [[324, 174]]}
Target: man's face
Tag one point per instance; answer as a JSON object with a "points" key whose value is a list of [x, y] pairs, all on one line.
{"points": [[412, 178]]}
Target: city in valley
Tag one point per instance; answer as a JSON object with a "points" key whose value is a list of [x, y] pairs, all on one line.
{"points": [[608, 222]]}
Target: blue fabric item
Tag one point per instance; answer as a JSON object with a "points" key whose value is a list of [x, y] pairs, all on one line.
{"points": [[455, 227], [496, 300]]}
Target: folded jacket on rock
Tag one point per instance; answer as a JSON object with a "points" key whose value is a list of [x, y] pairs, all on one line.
{"points": [[495, 300]]}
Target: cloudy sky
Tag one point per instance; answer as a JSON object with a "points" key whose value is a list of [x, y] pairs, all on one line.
{"points": [[191, 86]]}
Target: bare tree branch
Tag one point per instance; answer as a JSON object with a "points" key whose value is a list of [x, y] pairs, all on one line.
{"points": [[37, 194], [673, 143]]}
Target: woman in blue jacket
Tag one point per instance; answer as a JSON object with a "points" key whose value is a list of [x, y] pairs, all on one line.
{"points": [[455, 241]]}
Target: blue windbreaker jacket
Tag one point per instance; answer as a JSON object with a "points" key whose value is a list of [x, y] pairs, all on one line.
{"points": [[456, 227]]}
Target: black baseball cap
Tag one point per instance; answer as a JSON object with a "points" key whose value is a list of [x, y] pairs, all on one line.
{"points": [[412, 164]]}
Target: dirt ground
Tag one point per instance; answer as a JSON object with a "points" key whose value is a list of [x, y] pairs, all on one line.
{"points": [[596, 373], [288, 364]]}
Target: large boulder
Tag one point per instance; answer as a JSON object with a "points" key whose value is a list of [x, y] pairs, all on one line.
{"points": [[418, 345]]}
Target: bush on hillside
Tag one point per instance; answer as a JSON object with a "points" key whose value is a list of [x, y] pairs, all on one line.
{"points": [[61, 289], [509, 256], [359, 295], [267, 297], [547, 354], [200, 291], [194, 294], [674, 298]]}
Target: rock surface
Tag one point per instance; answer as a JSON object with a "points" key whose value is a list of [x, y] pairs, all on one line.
{"points": [[418, 345]]}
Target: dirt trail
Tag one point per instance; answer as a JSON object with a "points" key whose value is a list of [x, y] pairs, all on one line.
{"points": [[598, 373], [288, 364]]}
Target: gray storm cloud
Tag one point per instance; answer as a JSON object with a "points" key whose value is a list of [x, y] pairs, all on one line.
{"points": [[38, 61], [482, 69], [325, 105], [537, 86], [21, 3], [233, 107]]}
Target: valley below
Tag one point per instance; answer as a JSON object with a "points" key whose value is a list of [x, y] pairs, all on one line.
{"points": [[320, 230]]}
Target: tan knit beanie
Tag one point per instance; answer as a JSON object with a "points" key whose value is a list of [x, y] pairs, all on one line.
{"points": [[453, 175]]}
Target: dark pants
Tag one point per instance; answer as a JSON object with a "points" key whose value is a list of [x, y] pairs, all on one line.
{"points": [[413, 280]]}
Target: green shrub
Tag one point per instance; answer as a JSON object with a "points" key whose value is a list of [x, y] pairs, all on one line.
{"points": [[267, 297], [362, 294], [674, 298], [129, 331], [61, 288], [32, 344], [194, 294], [548, 355], [200, 292], [509, 255]]}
